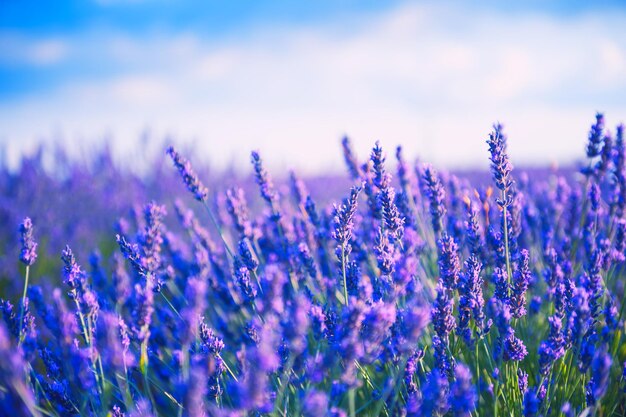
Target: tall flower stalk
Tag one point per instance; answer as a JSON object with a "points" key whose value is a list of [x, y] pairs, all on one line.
{"points": [[501, 170], [343, 224], [197, 188], [28, 255]]}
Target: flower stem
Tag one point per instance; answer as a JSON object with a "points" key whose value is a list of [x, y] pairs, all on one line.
{"points": [[507, 256], [20, 323], [343, 270]]}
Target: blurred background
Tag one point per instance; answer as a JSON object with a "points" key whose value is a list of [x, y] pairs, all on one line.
{"points": [[291, 77]]}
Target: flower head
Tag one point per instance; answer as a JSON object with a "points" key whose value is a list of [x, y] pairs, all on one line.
{"points": [[437, 196], [500, 165], [28, 254], [188, 175]]}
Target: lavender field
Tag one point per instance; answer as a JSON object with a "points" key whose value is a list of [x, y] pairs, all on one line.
{"points": [[391, 292]]}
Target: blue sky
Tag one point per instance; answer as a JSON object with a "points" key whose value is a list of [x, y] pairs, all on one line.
{"points": [[290, 77]]}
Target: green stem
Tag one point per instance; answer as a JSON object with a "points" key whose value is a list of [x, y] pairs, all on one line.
{"points": [[506, 242], [185, 371], [351, 401], [477, 373], [219, 229], [143, 366], [283, 383], [20, 323], [343, 270]]}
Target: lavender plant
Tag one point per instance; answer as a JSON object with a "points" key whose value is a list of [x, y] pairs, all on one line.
{"points": [[426, 296]]}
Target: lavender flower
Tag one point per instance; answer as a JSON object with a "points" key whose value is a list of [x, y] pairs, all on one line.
{"points": [[449, 264], [403, 169], [131, 253], [246, 255], [73, 275], [500, 165], [410, 369], [210, 341], [350, 158], [521, 280], [579, 316], [238, 210], [509, 346], [308, 261], [514, 349], [443, 322], [385, 252], [619, 250], [343, 223], [522, 381], [471, 300], [263, 179], [595, 142], [151, 239], [436, 194], [619, 161], [441, 314], [188, 175], [143, 309], [381, 179], [473, 231], [28, 254], [242, 278], [553, 348], [298, 189], [501, 284], [394, 223]]}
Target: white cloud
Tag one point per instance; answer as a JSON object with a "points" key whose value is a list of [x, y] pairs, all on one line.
{"points": [[38, 52], [430, 78]]}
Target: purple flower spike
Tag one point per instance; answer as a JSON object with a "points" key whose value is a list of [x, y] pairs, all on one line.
{"points": [[263, 179], [500, 165], [521, 280], [188, 175], [596, 135], [73, 276], [514, 349], [351, 160], [28, 254], [437, 196], [449, 264], [471, 300], [343, 223], [131, 253]]}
